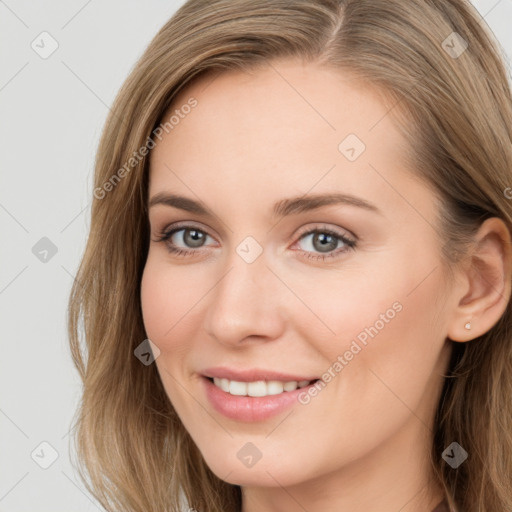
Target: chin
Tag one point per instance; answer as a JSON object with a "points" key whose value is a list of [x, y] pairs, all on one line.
{"points": [[264, 473]]}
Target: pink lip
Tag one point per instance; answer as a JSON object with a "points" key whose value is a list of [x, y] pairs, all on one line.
{"points": [[248, 408], [252, 375]]}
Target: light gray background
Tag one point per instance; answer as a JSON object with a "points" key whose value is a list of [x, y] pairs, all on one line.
{"points": [[52, 114]]}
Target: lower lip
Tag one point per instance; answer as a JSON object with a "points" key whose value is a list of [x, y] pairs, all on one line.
{"points": [[248, 408]]}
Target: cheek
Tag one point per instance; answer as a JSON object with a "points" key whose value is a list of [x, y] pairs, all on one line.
{"points": [[155, 297], [168, 296], [347, 305], [389, 346], [166, 311], [383, 324]]}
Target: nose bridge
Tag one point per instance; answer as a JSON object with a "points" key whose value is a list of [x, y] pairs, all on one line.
{"points": [[244, 300]]}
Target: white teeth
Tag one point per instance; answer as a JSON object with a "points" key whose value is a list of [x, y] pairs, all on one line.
{"points": [[274, 387], [291, 386], [237, 388], [258, 388], [224, 384]]}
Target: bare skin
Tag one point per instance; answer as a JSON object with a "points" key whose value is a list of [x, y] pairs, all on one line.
{"points": [[362, 443]]}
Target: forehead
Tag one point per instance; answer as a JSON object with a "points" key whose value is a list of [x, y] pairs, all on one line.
{"points": [[283, 125]]}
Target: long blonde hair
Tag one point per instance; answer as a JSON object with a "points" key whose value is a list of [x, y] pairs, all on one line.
{"points": [[453, 106]]}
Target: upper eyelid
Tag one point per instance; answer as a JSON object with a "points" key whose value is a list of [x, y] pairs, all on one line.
{"points": [[322, 226], [186, 225], [305, 230]]}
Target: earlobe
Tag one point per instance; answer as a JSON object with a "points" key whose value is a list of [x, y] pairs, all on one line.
{"points": [[487, 280]]}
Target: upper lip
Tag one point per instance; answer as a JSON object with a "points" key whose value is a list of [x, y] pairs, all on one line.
{"points": [[252, 375]]}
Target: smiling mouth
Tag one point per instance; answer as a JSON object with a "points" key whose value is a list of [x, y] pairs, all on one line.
{"points": [[259, 388]]}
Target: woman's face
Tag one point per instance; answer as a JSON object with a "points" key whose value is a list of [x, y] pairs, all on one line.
{"points": [[307, 251]]}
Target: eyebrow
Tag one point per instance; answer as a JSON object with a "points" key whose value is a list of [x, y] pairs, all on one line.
{"points": [[283, 208]]}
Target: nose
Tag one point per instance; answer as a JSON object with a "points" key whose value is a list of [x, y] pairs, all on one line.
{"points": [[247, 304]]}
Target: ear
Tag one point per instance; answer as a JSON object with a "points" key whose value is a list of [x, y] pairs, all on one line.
{"points": [[486, 283]]}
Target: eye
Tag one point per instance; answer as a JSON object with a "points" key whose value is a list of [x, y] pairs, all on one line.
{"points": [[326, 241], [190, 236], [322, 239]]}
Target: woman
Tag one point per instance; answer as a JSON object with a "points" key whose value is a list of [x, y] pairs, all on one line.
{"points": [[296, 289]]}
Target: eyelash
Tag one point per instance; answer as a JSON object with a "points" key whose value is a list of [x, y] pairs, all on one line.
{"points": [[350, 244]]}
